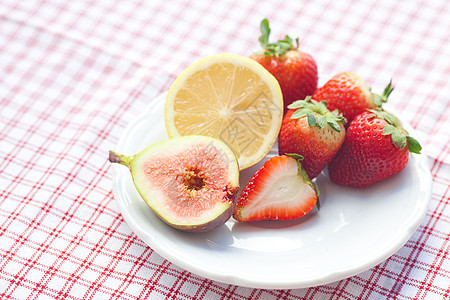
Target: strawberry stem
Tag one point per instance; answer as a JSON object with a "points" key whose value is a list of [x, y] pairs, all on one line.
{"points": [[398, 134], [274, 49], [379, 100], [317, 113]]}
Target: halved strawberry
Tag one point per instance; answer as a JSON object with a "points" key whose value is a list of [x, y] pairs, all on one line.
{"points": [[279, 190]]}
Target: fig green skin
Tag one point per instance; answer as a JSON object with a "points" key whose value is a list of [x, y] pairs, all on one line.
{"points": [[211, 225], [227, 202]]}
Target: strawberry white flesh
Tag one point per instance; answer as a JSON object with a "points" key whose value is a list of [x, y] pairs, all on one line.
{"points": [[279, 190]]}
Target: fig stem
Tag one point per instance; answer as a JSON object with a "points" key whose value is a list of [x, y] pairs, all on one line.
{"points": [[115, 157]]}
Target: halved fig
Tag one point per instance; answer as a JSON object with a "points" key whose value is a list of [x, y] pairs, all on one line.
{"points": [[190, 182]]}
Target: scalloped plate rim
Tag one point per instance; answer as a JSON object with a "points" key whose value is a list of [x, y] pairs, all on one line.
{"points": [[121, 178]]}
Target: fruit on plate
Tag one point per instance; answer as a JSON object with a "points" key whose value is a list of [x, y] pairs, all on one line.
{"points": [[228, 97], [190, 182], [311, 130], [295, 70], [279, 190], [348, 93], [376, 147]]}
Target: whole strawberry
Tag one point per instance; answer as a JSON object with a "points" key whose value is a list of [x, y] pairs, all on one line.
{"points": [[348, 93], [279, 190], [296, 71], [376, 147], [311, 130]]}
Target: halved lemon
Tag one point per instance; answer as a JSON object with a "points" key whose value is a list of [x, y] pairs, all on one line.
{"points": [[229, 97]]}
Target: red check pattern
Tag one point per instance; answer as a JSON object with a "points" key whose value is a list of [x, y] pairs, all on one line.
{"points": [[74, 73]]}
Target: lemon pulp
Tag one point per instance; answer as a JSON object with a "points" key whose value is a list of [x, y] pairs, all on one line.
{"points": [[231, 98]]}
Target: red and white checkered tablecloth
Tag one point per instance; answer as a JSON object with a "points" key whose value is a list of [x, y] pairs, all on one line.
{"points": [[74, 73]]}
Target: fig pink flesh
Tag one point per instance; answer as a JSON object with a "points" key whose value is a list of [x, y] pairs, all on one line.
{"points": [[193, 180]]}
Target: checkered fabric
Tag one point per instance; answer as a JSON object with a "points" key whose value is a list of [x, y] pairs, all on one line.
{"points": [[74, 73]]}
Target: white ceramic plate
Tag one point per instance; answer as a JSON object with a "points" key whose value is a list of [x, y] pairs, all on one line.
{"points": [[354, 230]]}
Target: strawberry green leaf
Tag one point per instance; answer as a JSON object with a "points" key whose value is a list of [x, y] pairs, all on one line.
{"points": [[387, 91], [334, 125], [274, 49], [321, 121], [388, 129], [338, 117], [413, 145], [398, 134], [294, 155], [298, 104], [318, 113], [298, 114], [341, 119], [398, 138], [316, 188], [313, 184], [265, 32], [311, 120], [389, 119]]}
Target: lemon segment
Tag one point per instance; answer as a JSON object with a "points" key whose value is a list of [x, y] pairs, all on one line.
{"points": [[231, 98]]}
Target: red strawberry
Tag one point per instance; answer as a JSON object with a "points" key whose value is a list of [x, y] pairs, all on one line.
{"points": [[348, 93], [312, 131], [296, 71], [375, 148], [279, 190]]}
